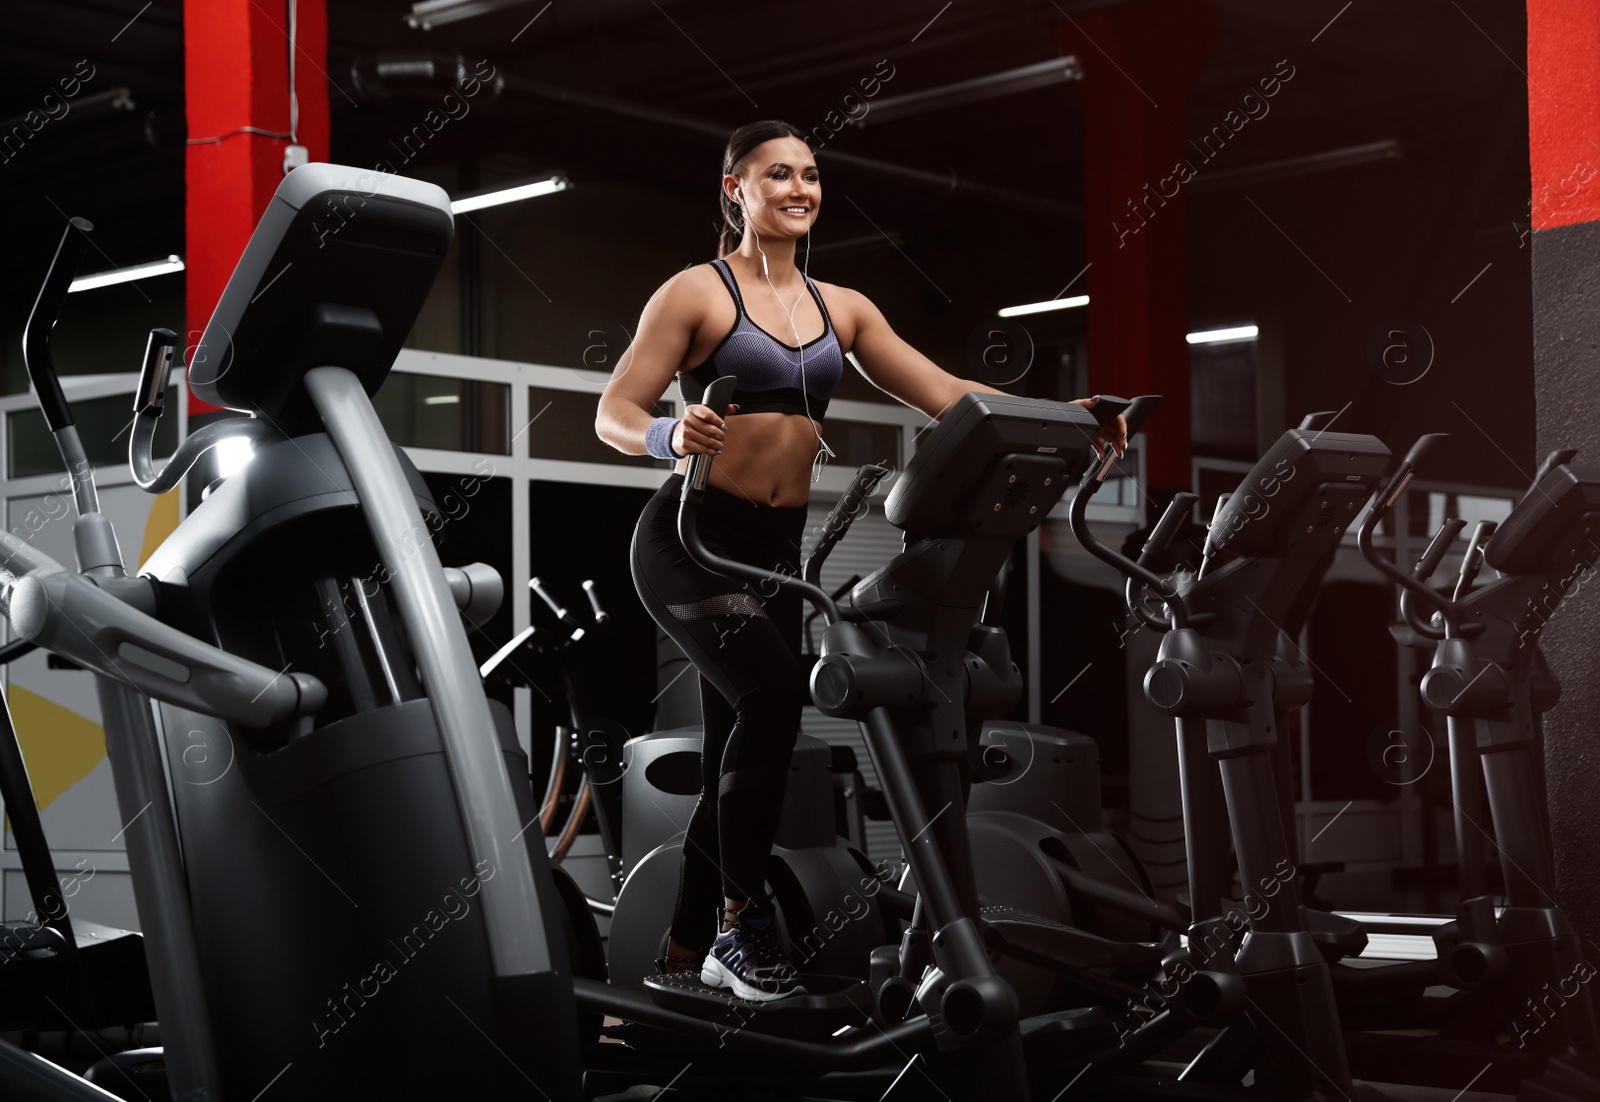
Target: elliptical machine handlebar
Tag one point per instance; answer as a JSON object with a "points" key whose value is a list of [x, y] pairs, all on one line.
{"points": [[717, 396], [69, 615], [41, 368], [1431, 558], [42, 320], [842, 517], [1472, 561], [160, 352], [104, 622], [1392, 489], [1160, 538], [1135, 413], [1438, 548]]}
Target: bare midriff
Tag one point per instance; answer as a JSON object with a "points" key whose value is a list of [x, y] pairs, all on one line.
{"points": [[766, 458]]}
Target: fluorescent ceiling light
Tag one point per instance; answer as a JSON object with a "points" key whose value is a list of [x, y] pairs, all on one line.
{"points": [[1205, 336], [442, 400], [127, 275], [515, 193], [1223, 336], [429, 14], [1041, 307]]}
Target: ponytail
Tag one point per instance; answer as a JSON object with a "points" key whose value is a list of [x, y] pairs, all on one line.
{"points": [[732, 231]]}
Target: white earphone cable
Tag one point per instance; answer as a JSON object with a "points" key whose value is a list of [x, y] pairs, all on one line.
{"points": [[824, 453]]}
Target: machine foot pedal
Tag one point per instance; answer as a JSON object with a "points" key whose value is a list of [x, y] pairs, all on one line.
{"points": [[1079, 948], [829, 1004]]}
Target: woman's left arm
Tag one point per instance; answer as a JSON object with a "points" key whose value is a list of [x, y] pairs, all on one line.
{"points": [[893, 366], [897, 369]]}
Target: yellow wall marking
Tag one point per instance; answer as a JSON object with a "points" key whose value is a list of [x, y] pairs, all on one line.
{"points": [[60, 746]]}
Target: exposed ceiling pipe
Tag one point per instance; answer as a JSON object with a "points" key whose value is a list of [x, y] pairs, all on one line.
{"points": [[825, 61], [416, 74], [944, 182], [83, 109], [428, 14], [1040, 74], [1348, 157]]}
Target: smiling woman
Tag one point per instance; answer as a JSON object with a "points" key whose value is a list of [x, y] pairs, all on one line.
{"points": [[751, 313]]}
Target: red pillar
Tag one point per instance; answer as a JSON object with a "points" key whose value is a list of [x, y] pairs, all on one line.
{"points": [[236, 75], [1139, 61], [1564, 70], [1564, 160]]}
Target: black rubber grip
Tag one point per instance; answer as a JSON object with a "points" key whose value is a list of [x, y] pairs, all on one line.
{"points": [[716, 399], [1552, 461], [1139, 411], [719, 394], [844, 514], [1167, 527], [1414, 457], [1107, 406], [1472, 561], [159, 352], [1438, 548], [1423, 446]]}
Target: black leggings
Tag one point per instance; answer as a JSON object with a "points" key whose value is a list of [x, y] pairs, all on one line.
{"points": [[744, 639]]}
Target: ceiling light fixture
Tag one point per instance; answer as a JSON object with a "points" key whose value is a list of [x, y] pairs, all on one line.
{"points": [[545, 185], [1050, 304], [127, 275], [1224, 336]]}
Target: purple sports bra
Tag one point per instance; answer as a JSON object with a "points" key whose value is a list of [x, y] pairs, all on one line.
{"points": [[769, 371]]}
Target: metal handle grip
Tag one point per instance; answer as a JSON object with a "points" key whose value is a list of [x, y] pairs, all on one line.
{"points": [[600, 614], [537, 585]]}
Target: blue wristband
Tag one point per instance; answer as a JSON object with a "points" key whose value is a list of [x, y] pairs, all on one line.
{"points": [[658, 438]]}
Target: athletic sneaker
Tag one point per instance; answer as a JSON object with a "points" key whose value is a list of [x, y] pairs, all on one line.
{"points": [[748, 960]]}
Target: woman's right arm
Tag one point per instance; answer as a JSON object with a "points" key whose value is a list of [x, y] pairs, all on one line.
{"points": [[646, 369]]}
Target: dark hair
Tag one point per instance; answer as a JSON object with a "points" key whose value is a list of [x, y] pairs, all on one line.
{"points": [[740, 145]]}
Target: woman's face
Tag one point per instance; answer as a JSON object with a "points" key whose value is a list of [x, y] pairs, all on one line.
{"points": [[781, 187]]}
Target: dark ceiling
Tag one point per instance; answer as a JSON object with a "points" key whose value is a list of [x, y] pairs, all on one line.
{"points": [[1427, 72], [1421, 70]]}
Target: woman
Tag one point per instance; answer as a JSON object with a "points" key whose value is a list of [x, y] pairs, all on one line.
{"points": [[730, 317]]}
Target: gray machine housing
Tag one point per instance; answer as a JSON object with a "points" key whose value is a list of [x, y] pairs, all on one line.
{"points": [[342, 921]]}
